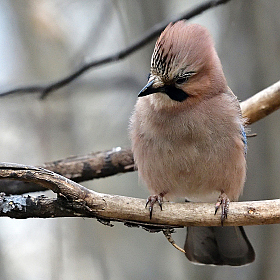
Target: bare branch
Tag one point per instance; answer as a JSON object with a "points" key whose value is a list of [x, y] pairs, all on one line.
{"points": [[22, 207], [261, 104], [94, 165], [130, 210], [147, 37], [79, 168]]}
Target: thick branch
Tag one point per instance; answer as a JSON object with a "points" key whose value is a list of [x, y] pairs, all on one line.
{"points": [[94, 165], [22, 207], [132, 210], [150, 35], [79, 168]]}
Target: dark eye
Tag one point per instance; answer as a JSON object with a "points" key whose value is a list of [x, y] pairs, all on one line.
{"points": [[181, 80], [149, 76]]}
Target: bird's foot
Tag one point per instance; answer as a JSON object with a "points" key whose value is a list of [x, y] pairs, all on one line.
{"points": [[152, 199], [223, 202]]}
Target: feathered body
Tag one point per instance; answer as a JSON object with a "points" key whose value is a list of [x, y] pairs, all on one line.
{"points": [[192, 148], [192, 151], [186, 128]]}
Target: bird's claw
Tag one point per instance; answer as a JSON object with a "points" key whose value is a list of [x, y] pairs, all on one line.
{"points": [[223, 202], [151, 200]]}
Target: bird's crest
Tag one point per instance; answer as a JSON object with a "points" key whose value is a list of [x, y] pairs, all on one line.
{"points": [[181, 46]]}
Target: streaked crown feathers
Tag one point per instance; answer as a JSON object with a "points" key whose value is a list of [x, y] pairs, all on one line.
{"points": [[181, 47]]}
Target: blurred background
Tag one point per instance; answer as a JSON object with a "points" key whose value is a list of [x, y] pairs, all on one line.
{"points": [[42, 41]]}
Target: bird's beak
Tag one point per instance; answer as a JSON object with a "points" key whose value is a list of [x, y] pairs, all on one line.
{"points": [[148, 89], [173, 92]]}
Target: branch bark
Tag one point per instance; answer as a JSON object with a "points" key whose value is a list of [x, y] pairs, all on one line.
{"points": [[79, 168], [261, 104], [76, 200]]}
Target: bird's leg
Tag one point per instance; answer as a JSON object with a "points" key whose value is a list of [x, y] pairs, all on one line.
{"points": [[152, 199], [223, 202]]}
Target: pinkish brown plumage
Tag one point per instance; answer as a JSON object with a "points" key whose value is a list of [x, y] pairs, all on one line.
{"points": [[195, 53], [187, 136]]}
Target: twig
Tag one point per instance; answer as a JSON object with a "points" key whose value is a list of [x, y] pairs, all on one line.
{"points": [[167, 234], [147, 37]]}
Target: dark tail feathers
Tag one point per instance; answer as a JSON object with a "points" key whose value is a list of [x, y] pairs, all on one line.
{"points": [[218, 246]]}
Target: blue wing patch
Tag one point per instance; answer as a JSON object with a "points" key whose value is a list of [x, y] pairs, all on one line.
{"points": [[244, 139]]}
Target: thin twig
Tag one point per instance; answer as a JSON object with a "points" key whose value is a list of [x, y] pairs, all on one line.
{"points": [[167, 234], [147, 37]]}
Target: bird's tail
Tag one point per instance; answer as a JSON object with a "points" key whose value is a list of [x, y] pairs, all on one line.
{"points": [[218, 246]]}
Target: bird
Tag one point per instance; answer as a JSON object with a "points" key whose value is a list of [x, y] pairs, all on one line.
{"points": [[188, 139]]}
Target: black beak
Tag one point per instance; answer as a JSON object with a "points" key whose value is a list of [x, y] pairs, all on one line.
{"points": [[173, 92], [148, 89]]}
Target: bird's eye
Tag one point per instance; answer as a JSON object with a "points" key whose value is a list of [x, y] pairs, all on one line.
{"points": [[181, 80], [149, 76]]}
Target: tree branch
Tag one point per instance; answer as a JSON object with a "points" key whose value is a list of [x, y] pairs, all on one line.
{"points": [[76, 200], [79, 168], [94, 165], [261, 104], [147, 37]]}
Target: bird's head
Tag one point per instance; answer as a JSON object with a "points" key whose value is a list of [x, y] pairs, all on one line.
{"points": [[184, 66]]}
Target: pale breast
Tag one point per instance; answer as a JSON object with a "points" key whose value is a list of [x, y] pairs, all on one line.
{"points": [[185, 156]]}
